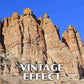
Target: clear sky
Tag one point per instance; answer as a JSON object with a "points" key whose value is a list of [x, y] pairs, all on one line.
{"points": [[61, 12]]}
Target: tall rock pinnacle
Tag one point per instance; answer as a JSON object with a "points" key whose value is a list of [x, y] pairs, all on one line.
{"points": [[28, 11], [46, 15]]}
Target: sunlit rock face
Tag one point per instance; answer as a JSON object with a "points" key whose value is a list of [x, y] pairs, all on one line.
{"points": [[31, 40]]}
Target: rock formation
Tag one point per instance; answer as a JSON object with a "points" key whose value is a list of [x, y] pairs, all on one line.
{"points": [[31, 40]]}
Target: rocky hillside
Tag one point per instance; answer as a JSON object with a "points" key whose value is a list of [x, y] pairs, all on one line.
{"points": [[31, 40]]}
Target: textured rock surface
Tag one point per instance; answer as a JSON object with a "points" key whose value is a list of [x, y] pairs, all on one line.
{"points": [[0, 27], [31, 40], [28, 11]]}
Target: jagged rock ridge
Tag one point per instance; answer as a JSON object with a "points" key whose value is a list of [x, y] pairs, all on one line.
{"points": [[31, 40]]}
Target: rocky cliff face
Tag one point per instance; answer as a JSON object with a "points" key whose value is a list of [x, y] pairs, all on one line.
{"points": [[31, 40]]}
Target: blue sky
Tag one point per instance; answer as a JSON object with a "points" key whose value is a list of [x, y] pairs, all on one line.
{"points": [[61, 12]]}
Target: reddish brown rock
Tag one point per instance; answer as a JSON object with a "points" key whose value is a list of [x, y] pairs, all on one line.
{"points": [[0, 67], [40, 20], [46, 16], [16, 71], [75, 30], [0, 27], [5, 71], [28, 11], [82, 54], [7, 21], [1, 47], [41, 40], [80, 43], [33, 40], [24, 38], [72, 39], [15, 16], [65, 38], [56, 49], [57, 29]]}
